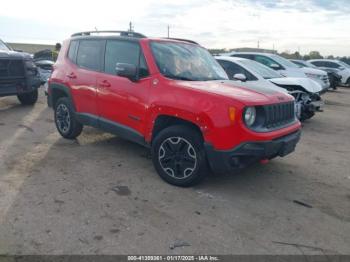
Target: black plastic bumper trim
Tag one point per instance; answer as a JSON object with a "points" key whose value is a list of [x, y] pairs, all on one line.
{"points": [[247, 153]]}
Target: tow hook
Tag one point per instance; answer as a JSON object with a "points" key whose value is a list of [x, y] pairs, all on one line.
{"points": [[264, 161]]}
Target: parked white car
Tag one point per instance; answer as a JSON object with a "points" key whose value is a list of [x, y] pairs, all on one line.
{"points": [[343, 68], [253, 74], [285, 67]]}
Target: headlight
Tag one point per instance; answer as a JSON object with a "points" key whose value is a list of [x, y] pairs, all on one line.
{"points": [[31, 68], [249, 116], [30, 64]]}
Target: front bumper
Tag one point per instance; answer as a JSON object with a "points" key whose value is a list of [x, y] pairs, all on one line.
{"points": [[20, 85], [245, 154], [315, 106]]}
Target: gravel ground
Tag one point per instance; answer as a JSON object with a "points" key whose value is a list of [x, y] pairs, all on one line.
{"points": [[100, 194]]}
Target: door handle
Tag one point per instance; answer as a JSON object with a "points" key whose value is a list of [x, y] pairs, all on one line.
{"points": [[71, 76], [105, 83]]}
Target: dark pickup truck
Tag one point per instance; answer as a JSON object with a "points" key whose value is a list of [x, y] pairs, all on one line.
{"points": [[18, 75]]}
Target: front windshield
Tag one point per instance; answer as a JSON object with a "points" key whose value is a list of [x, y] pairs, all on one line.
{"points": [[284, 62], [304, 63], [186, 62], [260, 69], [3, 46]]}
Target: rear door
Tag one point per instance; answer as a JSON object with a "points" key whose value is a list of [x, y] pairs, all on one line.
{"points": [[121, 100], [83, 74]]}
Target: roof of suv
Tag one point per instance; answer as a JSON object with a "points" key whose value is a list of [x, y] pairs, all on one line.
{"points": [[230, 58], [123, 35], [254, 53], [323, 60]]}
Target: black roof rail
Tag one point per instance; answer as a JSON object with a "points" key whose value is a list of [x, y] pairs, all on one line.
{"points": [[121, 33], [184, 40]]}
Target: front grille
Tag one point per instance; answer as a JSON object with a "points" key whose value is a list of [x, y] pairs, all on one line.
{"points": [[279, 115], [11, 68]]}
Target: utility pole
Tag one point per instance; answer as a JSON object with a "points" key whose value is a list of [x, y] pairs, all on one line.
{"points": [[131, 27], [258, 44], [168, 31]]}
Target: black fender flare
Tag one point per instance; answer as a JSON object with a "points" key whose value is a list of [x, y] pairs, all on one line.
{"points": [[58, 88]]}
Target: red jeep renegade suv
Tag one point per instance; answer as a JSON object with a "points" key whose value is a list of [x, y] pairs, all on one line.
{"points": [[172, 96]]}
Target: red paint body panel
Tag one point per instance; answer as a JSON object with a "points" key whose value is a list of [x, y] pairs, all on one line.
{"points": [[138, 104]]}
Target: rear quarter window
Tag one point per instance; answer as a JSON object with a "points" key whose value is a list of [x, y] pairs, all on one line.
{"points": [[73, 47], [89, 54]]}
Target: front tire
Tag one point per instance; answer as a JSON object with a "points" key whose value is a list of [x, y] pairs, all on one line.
{"points": [[178, 156], [65, 120], [28, 98]]}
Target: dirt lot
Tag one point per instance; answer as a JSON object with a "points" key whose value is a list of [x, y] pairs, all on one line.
{"points": [[101, 195]]}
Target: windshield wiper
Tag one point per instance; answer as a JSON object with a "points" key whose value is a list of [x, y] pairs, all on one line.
{"points": [[213, 79], [178, 77]]}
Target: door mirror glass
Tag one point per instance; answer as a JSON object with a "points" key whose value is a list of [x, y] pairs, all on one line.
{"points": [[275, 66], [240, 77], [126, 70]]}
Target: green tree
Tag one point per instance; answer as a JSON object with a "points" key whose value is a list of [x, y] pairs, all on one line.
{"points": [[315, 55]]}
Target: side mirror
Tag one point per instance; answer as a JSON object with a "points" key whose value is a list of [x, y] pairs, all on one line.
{"points": [[275, 66], [240, 77], [127, 70]]}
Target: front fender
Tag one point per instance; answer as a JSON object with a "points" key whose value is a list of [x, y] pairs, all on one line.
{"points": [[200, 119]]}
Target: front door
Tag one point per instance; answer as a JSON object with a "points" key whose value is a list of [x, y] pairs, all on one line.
{"points": [[119, 99]]}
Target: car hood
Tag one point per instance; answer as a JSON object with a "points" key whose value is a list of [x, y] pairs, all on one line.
{"points": [[14, 55], [261, 85], [314, 71], [245, 92], [308, 84], [44, 62], [292, 72]]}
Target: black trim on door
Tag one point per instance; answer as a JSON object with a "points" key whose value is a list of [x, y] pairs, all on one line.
{"points": [[112, 127]]}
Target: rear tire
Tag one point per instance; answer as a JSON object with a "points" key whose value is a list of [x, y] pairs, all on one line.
{"points": [[28, 98], [178, 156], [65, 120]]}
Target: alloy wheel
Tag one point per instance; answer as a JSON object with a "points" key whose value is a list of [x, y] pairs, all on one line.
{"points": [[177, 157], [63, 118]]}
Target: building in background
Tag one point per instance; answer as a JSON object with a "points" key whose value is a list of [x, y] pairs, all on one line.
{"points": [[241, 49], [250, 49], [30, 48]]}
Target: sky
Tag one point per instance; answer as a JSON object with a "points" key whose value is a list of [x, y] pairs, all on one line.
{"points": [[286, 25]]}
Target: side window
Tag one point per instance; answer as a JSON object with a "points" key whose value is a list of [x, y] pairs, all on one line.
{"points": [[72, 50], [265, 60], [124, 52], [331, 65], [232, 69], [89, 54], [318, 63], [244, 56]]}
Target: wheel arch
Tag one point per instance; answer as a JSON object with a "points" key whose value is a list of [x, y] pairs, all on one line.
{"points": [[56, 91], [163, 121]]}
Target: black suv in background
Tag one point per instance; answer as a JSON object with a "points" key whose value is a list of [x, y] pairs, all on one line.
{"points": [[18, 75]]}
